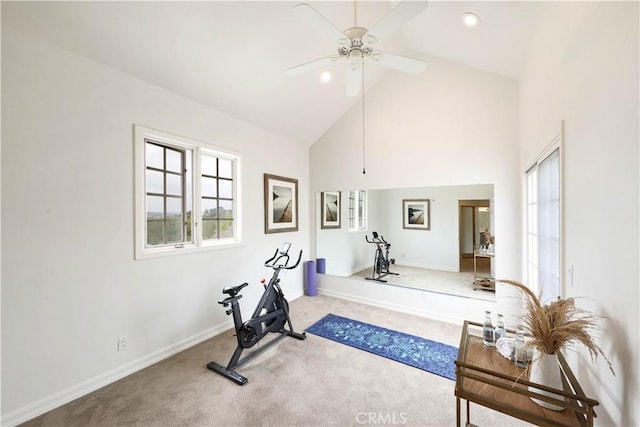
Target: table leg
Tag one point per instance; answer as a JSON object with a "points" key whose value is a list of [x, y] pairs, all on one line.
{"points": [[468, 421], [457, 411]]}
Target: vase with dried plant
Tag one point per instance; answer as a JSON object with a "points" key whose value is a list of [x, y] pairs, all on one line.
{"points": [[550, 328]]}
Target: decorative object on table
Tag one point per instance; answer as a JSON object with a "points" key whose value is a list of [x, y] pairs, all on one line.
{"points": [[280, 204], [505, 347], [416, 214], [330, 205], [488, 331], [486, 240], [521, 354], [551, 328], [501, 332]]}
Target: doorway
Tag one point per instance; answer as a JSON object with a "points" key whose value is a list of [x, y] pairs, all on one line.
{"points": [[474, 217]]}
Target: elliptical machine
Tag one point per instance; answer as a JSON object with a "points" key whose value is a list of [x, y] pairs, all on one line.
{"points": [[381, 259], [271, 315]]}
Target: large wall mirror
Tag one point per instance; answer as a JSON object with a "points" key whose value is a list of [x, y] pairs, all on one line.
{"points": [[440, 238]]}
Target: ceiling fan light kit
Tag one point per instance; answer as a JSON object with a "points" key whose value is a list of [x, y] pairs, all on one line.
{"points": [[470, 19], [358, 44]]}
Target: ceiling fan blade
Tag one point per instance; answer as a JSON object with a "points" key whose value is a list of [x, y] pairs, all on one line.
{"points": [[398, 62], [319, 22], [312, 65], [354, 79], [394, 20]]}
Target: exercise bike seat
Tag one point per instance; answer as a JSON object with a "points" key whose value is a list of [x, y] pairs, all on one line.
{"points": [[232, 291]]}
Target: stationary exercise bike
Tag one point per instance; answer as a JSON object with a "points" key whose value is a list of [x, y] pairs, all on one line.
{"points": [[271, 315], [381, 259]]}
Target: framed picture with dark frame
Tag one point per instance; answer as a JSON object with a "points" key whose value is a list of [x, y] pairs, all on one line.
{"points": [[416, 214], [330, 205], [280, 204]]}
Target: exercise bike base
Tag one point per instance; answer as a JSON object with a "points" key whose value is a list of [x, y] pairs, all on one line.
{"points": [[297, 335], [232, 375]]}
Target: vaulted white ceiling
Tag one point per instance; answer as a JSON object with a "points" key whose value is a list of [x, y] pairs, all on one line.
{"points": [[232, 55]]}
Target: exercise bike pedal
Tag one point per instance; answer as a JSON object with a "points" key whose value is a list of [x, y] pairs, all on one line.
{"points": [[232, 375]]}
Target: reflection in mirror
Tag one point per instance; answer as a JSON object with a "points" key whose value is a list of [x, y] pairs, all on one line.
{"points": [[442, 257]]}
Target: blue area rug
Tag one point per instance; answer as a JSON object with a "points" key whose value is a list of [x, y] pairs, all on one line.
{"points": [[411, 350]]}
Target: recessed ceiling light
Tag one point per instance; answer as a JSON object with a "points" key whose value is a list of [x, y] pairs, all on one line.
{"points": [[325, 76], [470, 19]]}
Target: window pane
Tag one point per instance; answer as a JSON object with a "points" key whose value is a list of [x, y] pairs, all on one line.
{"points": [[155, 182], [209, 208], [155, 207], [174, 184], [174, 160], [154, 156], [226, 168], [208, 166], [226, 209], [174, 230], [174, 207], [155, 232], [209, 187], [226, 229], [226, 188], [209, 229]]}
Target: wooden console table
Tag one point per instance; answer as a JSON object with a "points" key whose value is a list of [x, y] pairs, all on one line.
{"points": [[486, 378]]}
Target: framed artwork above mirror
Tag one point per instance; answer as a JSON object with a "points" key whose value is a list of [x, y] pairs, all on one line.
{"points": [[330, 210]]}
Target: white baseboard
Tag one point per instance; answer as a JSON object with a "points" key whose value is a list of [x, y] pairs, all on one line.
{"points": [[395, 307], [428, 266], [69, 394]]}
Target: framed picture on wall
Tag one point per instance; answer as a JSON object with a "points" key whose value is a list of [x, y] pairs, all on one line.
{"points": [[280, 204], [416, 214], [330, 205]]}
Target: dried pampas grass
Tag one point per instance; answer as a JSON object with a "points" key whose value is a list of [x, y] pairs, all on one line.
{"points": [[558, 324]]}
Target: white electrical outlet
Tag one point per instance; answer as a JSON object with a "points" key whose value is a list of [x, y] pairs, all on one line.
{"points": [[122, 344]]}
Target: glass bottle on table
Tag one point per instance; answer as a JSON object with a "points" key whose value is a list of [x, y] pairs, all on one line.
{"points": [[488, 331], [501, 332], [520, 356]]}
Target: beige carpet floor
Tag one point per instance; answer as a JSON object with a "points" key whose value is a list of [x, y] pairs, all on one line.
{"points": [[315, 382]]}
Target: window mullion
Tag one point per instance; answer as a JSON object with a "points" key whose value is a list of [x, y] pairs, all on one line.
{"points": [[196, 215]]}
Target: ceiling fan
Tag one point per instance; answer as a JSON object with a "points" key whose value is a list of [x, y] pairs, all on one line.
{"points": [[358, 44]]}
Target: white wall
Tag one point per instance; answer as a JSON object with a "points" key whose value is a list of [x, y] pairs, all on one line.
{"points": [[583, 69], [70, 285], [452, 125]]}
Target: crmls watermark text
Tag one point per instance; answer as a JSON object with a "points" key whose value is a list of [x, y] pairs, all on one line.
{"points": [[381, 418]]}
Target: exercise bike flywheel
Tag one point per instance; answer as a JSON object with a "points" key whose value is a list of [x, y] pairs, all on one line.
{"points": [[247, 336]]}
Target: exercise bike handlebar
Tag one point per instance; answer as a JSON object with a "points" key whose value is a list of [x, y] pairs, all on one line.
{"points": [[376, 239], [274, 261]]}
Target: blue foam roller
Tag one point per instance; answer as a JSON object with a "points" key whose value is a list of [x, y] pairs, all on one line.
{"points": [[310, 285]]}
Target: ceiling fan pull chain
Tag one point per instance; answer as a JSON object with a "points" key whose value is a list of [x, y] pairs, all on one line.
{"points": [[363, 159]]}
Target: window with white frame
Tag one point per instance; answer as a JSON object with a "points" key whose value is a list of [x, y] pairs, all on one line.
{"points": [[544, 262], [186, 195], [357, 210]]}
